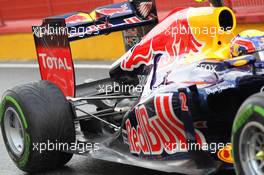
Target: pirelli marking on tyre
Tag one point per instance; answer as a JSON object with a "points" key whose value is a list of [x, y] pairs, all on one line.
{"points": [[245, 115], [1, 112], [14, 102], [24, 159]]}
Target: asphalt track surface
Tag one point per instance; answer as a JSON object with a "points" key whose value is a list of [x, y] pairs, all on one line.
{"points": [[12, 74]]}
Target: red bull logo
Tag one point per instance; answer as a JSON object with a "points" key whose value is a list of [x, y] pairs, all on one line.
{"points": [[163, 132], [240, 44], [173, 38], [78, 18], [112, 11]]}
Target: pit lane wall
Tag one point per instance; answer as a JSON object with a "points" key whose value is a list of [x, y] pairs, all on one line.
{"points": [[16, 19], [21, 47], [18, 44]]}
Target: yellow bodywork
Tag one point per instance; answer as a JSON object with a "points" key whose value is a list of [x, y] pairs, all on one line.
{"points": [[204, 23]]}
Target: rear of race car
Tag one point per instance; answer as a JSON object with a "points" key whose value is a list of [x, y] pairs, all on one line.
{"points": [[38, 115], [143, 129]]}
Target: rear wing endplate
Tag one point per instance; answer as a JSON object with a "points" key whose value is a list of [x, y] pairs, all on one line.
{"points": [[53, 37]]}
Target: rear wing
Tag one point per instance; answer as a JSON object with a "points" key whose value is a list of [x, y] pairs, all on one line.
{"points": [[52, 38]]}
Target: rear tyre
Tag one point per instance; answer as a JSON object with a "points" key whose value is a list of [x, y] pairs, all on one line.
{"points": [[34, 118], [248, 137]]}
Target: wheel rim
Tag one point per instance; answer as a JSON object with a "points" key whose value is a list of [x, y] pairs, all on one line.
{"points": [[110, 103], [14, 131], [251, 148]]}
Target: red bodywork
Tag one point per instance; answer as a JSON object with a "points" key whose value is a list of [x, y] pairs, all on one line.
{"points": [[56, 66], [171, 38], [54, 57]]}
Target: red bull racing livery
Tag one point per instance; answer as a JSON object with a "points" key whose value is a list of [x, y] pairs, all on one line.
{"points": [[171, 103]]}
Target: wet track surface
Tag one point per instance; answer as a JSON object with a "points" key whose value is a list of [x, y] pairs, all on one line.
{"points": [[80, 165]]}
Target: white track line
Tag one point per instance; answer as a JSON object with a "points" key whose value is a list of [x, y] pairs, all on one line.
{"points": [[77, 66]]}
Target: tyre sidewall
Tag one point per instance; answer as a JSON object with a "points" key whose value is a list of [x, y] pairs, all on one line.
{"points": [[11, 100], [49, 119], [249, 112]]}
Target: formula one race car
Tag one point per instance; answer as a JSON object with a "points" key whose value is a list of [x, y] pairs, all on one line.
{"points": [[169, 104]]}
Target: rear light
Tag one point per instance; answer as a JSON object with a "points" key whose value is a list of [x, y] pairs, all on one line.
{"points": [[143, 7]]}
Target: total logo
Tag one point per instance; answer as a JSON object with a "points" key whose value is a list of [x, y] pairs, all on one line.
{"points": [[163, 132], [54, 62]]}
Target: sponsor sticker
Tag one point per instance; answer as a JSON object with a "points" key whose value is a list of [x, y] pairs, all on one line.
{"points": [[225, 154], [218, 89], [163, 132], [207, 67]]}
